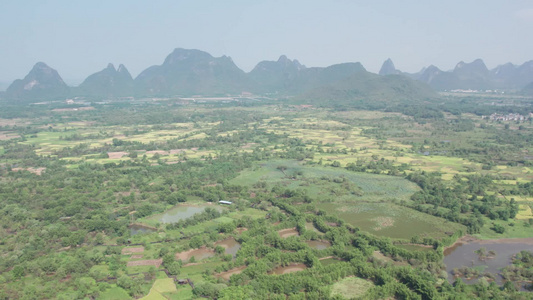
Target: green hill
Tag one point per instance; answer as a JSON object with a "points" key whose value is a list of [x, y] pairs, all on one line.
{"points": [[41, 84], [368, 90], [192, 72], [109, 82]]}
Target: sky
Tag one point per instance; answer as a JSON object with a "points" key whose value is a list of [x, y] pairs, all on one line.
{"points": [[79, 38]]}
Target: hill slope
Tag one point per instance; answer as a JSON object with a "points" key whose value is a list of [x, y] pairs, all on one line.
{"points": [[41, 83], [109, 82], [368, 90], [192, 72]]}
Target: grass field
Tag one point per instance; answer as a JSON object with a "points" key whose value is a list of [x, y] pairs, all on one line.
{"points": [[373, 210], [394, 221], [160, 287], [525, 212], [351, 288], [114, 293], [319, 182]]}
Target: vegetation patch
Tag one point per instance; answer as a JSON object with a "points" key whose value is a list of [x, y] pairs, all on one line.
{"points": [[351, 287], [388, 219]]}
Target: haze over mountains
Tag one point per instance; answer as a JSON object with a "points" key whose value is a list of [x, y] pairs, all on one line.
{"points": [[187, 72], [473, 76]]}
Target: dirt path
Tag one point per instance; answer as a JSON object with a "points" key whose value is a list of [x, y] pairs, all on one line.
{"points": [[226, 275], [288, 232]]}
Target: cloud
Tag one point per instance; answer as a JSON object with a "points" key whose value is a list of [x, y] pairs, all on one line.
{"points": [[525, 15]]}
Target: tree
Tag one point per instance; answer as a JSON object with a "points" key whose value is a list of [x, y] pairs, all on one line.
{"points": [[219, 249], [18, 271], [174, 268], [498, 228]]}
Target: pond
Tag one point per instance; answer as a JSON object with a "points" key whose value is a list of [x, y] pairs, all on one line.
{"points": [[231, 246], [319, 245], [198, 254], [330, 260], [181, 212], [462, 254], [140, 229]]}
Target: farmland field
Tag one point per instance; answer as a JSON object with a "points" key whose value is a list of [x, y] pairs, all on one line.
{"points": [[387, 219], [351, 287], [319, 182]]}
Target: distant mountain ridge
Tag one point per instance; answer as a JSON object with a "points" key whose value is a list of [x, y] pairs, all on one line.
{"points": [[471, 76], [191, 72]]}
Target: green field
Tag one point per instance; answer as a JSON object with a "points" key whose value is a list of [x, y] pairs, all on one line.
{"points": [[351, 287], [387, 219], [319, 182], [374, 210]]}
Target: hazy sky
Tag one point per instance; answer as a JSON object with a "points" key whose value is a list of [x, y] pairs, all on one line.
{"points": [[78, 38]]}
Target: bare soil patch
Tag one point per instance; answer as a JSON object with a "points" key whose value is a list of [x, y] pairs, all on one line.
{"points": [[4, 137], [150, 262], [241, 230], [226, 275], [186, 255], [160, 152], [284, 233], [247, 146], [132, 250], [116, 155], [11, 122], [326, 257], [73, 109], [289, 269], [137, 256], [176, 151], [36, 171]]}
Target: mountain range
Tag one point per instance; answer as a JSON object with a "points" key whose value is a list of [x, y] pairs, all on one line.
{"points": [[190, 72], [471, 76]]}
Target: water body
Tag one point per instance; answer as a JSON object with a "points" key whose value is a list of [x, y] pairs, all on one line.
{"points": [[462, 255], [231, 246], [139, 229], [181, 212], [319, 245], [329, 261], [198, 254]]}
